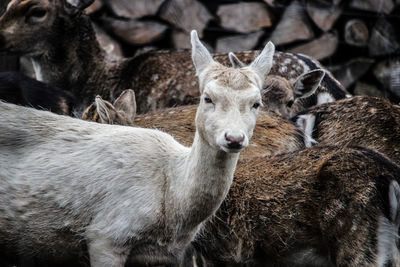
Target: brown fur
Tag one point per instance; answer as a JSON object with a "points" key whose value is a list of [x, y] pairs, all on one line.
{"points": [[271, 136], [71, 58], [363, 121], [327, 199], [278, 95]]}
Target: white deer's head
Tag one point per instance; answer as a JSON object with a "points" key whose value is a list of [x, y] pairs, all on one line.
{"points": [[230, 97]]}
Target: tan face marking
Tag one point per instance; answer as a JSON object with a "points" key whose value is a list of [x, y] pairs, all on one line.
{"points": [[18, 3]]}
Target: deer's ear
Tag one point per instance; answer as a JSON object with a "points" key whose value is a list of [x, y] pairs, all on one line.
{"points": [[78, 4], [263, 63], [308, 83], [105, 110], [200, 55], [126, 103], [88, 114], [235, 61]]}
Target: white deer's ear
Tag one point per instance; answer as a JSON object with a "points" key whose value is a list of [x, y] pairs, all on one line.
{"points": [[263, 63], [308, 83], [126, 103], [103, 110], [235, 62], [200, 55], [80, 4]]}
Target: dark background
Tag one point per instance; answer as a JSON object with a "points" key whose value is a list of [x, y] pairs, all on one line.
{"points": [[371, 66]]}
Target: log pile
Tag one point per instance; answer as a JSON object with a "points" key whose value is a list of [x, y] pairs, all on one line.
{"points": [[357, 39]]}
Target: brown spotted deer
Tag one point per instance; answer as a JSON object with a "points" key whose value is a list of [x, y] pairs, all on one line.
{"points": [[322, 206], [290, 96], [68, 184], [361, 120], [61, 43]]}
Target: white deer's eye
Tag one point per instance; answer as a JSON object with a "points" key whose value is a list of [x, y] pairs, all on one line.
{"points": [[208, 100], [256, 105], [290, 103]]}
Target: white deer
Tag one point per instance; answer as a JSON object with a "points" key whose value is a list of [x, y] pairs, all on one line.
{"points": [[66, 182]]}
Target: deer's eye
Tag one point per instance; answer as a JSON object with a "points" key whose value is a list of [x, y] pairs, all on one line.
{"points": [[37, 13], [208, 100], [256, 105], [290, 103]]}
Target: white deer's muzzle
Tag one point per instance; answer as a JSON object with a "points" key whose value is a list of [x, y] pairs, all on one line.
{"points": [[233, 141]]}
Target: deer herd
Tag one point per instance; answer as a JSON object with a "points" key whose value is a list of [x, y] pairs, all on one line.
{"points": [[135, 161]]}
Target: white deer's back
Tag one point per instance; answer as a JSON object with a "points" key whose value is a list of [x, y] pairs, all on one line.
{"points": [[49, 147]]}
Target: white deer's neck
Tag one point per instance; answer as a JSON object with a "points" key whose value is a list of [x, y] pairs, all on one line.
{"points": [[202, 183]]}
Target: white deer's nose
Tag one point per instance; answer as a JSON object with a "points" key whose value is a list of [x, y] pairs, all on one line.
{"points": [[234, 141]]}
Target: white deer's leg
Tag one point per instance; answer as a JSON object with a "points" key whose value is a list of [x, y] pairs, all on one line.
{"points": [[103, 252]]}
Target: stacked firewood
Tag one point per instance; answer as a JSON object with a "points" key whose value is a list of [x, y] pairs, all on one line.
{"points": [[357, 39]]}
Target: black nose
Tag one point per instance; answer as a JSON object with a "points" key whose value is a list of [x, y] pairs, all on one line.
{"points": [[234, 142]]}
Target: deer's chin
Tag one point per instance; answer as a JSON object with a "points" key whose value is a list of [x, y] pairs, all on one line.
{"points": [[229, 149], [232, 150]]}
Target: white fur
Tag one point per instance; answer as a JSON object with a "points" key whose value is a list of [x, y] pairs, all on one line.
{"points": [[200, 55], [324, 97], [11, 3], [74, 3], [307, 257], [283, 69], [388, 238], [235, 61], [306, 123], [38, 70], [387, 243], [120, 186], [263, 63]]}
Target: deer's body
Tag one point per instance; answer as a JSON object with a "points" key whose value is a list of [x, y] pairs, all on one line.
{"points": [[361, 120], [322, 206], [47, 193], [19, 89], [123, 190], [68, 56]]}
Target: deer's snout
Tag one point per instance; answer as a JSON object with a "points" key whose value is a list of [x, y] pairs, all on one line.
{"points": [[234, 142]]}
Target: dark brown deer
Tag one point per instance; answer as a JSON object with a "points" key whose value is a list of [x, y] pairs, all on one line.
{"points": [[59, 39], [362, 120], [322, 206], [20, 89]]}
